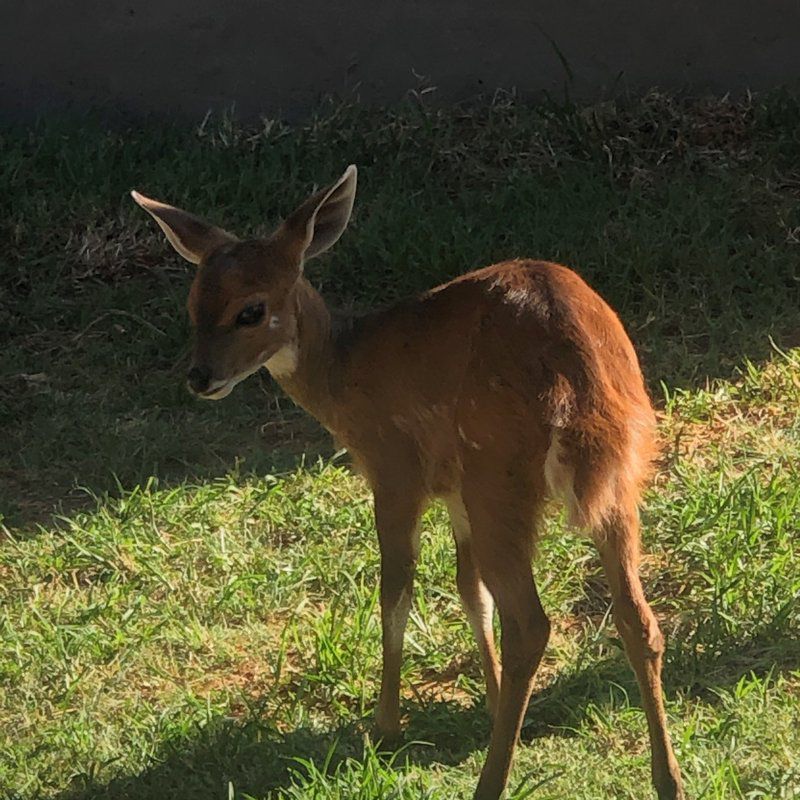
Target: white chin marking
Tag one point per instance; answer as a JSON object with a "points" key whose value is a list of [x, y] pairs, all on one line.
{"points": [[282, 363], [224, 389], [218, 394]]}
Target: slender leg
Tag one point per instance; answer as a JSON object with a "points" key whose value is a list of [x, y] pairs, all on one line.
{"points": [[525, 632], [618, 543], [477, 601], [501, 521], [396, 517]]}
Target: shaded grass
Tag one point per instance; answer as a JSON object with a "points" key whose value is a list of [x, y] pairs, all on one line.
{"points": [[202, 617], [685, 216]]}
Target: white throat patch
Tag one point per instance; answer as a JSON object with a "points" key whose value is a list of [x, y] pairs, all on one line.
{"points": [[282, 363]]}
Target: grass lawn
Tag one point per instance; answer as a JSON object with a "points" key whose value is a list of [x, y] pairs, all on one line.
{"points": [[188, 591]]}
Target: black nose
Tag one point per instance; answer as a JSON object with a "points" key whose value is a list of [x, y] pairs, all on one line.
{"points": [[199, 378]]}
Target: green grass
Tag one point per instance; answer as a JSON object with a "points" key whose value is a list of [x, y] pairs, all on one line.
{"points": [[199, 618]]}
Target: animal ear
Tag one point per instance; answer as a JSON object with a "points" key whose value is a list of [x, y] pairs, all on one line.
{"points": [[321, 220], [191, 236]]}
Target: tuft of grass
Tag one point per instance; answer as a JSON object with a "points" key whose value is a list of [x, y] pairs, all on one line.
{"points": [[200, 617]]}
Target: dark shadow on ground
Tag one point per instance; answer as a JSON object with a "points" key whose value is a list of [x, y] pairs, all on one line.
{"points": [[255, 758], [47, 472], [683, 215]]}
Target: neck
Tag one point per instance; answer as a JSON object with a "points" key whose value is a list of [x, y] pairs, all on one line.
{"points": [[304, 370]]}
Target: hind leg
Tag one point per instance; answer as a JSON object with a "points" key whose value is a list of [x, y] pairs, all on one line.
{"points": [[501, 521], [618, 543], [476, 599]]}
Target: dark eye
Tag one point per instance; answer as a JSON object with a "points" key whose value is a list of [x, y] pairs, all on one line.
{"points": [[250, 315]]}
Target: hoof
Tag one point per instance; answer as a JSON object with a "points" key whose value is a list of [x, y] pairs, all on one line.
{"points": [[387, 736]]}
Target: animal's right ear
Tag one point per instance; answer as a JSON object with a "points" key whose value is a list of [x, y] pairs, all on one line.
{"points": [[191, 236], [320, 221]]}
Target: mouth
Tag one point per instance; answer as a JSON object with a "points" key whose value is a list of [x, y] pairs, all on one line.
{"points": [[217, 392], [222, 389]]}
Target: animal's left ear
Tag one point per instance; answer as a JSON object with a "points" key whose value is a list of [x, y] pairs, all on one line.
{"points": [[321, 220], [191, 236]]}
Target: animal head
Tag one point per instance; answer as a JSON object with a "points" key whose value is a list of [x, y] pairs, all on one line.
{"points": [[242, 302]]}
